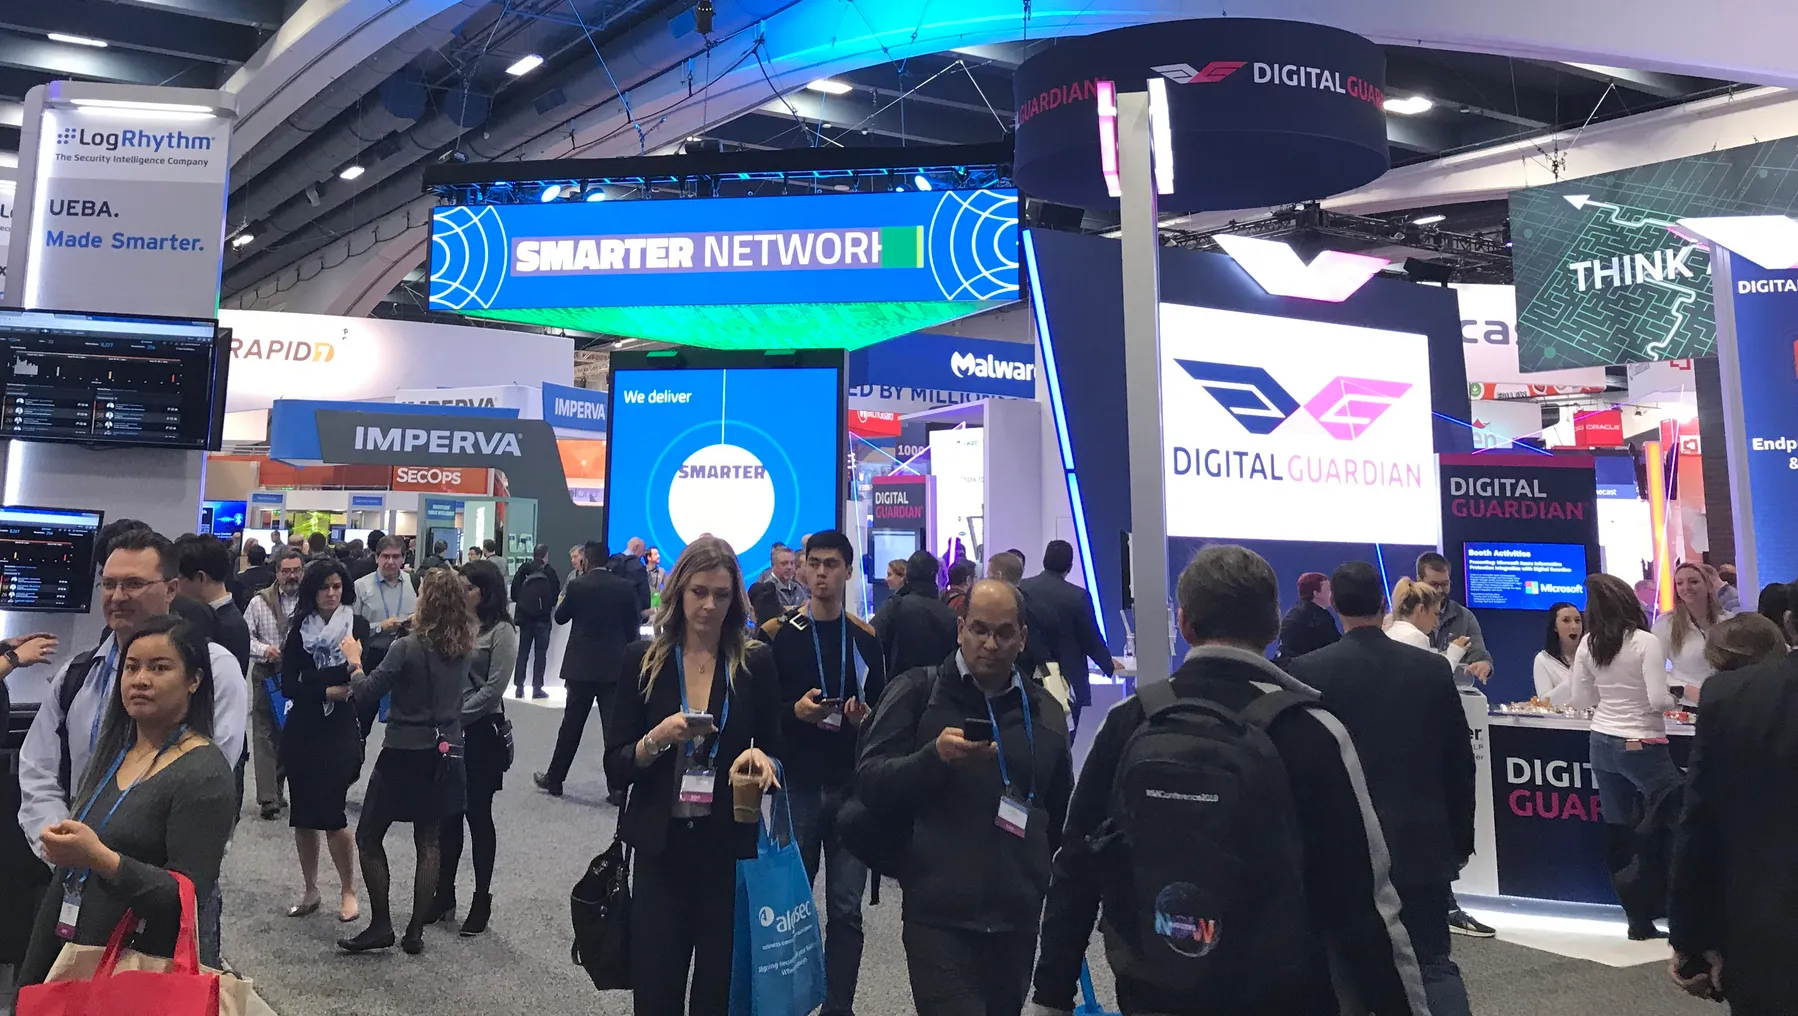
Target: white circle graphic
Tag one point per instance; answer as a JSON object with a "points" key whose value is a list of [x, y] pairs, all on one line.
{"points": [[766, 916], [723, 490]]}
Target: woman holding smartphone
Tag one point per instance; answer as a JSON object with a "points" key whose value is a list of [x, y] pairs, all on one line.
{"points": [[703, 705]]}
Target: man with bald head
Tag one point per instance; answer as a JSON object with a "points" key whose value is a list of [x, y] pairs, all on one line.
{"points": [[977, 760]]}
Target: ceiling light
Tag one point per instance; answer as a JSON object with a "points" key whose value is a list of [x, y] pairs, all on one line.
{"points": [[550, 193], [1409, 107], [921, 182], [243, 240], [825, 125], [596, 195], [525, 65], [78, 40], [134, 104], [1429, 220], [830, 87], [351, 172]]}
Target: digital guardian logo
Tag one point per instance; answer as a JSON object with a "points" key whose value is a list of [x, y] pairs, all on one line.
{"points": [[1750, 286], [1289, 75], [969, 365]]}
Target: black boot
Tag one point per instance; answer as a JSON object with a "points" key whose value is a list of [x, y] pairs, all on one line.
{"points": [[443, 907], [479, 908]]}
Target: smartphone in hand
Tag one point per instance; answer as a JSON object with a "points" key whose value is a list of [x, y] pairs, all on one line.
{"points": [[977, 730], [700, 724]]}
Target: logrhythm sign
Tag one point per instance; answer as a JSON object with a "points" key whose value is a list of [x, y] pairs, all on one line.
{"points": [[946, 363], [524, 449]]}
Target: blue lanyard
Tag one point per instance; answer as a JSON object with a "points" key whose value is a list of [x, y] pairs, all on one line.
{"points": [[1029, 739], [680, 673], [112, 659], [381, 587], [111, 773], [842, 675]]}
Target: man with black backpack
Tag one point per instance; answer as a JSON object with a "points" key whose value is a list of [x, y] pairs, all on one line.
{"points": [[534, 592], [1223, 821]]}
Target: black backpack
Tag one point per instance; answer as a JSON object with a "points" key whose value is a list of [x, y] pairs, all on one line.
{"points": [[1201, 855], [536, 594]]}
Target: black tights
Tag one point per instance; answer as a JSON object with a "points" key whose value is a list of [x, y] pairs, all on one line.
{"points": [[486, 844], [370, 832]]}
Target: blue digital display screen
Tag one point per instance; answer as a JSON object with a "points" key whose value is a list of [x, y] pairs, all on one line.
{"points": [[1525, 576], [750, 455], [227, 517]]}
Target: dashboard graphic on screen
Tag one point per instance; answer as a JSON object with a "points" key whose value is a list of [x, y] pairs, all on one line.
{"points": [[47, 558], [749, 455], [1525, 576]]}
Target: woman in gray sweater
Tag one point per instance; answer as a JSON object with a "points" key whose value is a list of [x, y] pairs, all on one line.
{"points": [[418, 777], [157, 798], [484, 732]]}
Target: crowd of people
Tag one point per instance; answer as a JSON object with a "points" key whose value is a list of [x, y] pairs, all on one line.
{"points": [[1275, 829]]}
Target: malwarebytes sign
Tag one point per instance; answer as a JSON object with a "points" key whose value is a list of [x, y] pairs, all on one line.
{"points": [[948, 363], [1601, 280], [662, 269]]}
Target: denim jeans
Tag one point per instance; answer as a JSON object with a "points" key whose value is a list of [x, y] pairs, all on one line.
{"points": [[1421, 912], [845, 879], [1626, 777]]}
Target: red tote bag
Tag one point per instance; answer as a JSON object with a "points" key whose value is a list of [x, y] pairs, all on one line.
{"points": [[182, 991]]}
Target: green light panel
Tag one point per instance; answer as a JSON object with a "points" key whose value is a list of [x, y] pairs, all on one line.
{"points": [[752, 326]]}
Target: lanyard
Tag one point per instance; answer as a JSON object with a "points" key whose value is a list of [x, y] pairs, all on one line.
{"points": [[111, 773], [1029, 739], [112, 659], [680, 672], [381, 587], [843, 674]]}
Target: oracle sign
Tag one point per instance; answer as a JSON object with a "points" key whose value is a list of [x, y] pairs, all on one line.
{"points": [[451, 480]]}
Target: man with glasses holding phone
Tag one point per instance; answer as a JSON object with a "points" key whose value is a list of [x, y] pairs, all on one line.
{"points": [[976, 760], [830, 670]]}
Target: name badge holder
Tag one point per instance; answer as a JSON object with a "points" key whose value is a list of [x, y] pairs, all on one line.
{"points": [[68, 916], [1013, 814], [699, 786]]}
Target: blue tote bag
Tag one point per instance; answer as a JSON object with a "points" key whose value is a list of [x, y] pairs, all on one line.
{"points": [[777, 962]]}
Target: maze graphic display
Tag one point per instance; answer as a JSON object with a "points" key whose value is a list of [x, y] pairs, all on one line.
{"points": [[1597, 218]]}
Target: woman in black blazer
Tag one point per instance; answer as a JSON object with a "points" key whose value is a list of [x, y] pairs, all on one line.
{"points": [[678, 816], [321, 745]]}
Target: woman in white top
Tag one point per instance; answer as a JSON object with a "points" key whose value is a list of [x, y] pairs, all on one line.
{"points": [[1554, 664], [1619, 671], [1682, 630], [1416, 607]]}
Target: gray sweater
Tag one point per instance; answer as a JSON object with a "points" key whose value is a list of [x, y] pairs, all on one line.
{"points": [[426, 690], [177, 820], [495, 654]]}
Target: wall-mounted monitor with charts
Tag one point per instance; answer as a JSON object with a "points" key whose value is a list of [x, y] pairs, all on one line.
{"points": [[47, 558]]}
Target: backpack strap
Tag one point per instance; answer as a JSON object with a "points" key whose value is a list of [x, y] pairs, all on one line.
{"points": [[1271, 705], [73, 680], [1157, 697]]}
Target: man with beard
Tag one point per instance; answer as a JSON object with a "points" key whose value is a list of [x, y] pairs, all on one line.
{"points": [[269, 612]]}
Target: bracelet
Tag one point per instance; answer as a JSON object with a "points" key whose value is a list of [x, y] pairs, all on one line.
{"points": [[650, 746]]}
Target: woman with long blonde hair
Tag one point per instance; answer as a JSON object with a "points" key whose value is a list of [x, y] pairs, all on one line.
{"points": [[703, 705], [418, 776], [1416, 608], [1682, 630]]}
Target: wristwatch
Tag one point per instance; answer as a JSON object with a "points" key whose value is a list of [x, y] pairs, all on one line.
{"points": [[649, 744], [12, 657]]}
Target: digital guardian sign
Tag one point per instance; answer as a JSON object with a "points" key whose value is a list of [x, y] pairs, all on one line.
{"points": [[1286, 429], [826, 271], [750, 455]]}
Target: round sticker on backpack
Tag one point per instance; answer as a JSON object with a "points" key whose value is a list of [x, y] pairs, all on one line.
{"points": [[1185, 920]]}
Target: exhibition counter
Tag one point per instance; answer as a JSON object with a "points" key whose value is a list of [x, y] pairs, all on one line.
{"points": [[1537, 818]]}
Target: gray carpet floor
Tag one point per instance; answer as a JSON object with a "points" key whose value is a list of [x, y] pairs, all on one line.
{"points": [[522, 965]]}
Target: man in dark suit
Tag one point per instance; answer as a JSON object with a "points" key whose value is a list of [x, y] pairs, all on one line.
{"points": [[254, 579], [630, 565], [602, 609], [1735, 874], [202, 565], [1075, 626], [915, 628], [1400, 705]]}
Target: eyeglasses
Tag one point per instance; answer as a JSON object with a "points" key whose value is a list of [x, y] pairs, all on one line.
{"points": [[997, 636], [130, 587]]}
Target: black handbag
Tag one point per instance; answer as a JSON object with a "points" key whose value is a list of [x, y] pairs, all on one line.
{"points": [[502, 725], [600, 905]]}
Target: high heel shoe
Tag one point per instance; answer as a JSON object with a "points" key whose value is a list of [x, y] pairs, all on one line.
{"points": [[479, 909], [443, 907]]}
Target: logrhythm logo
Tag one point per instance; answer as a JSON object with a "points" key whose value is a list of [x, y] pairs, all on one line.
{"points": [[437, 442], [298, 350], [1187, 74], [153, 141], [1345, 408], [964, 364], [1745, 286], [784, 923]]}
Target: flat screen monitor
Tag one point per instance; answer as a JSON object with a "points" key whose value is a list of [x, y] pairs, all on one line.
{"points": [[1525, 576], [751, 455], [103, 379], [223, 518], [47, 558]]}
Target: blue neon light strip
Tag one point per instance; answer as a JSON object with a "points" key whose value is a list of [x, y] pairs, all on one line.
{"points": [[1061, 429]]}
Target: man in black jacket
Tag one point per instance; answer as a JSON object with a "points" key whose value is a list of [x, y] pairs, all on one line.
{"points": [[829, 665], [254, 579], [1076, 628], [630, 565], [916, 629], [534, 591], [986, 814], [1735, 873], [1402, 708], [1357, 948], [602, 607], [1308, 626], [202, 563]]}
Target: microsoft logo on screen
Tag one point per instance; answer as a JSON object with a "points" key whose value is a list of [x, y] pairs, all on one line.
{"points": [[1345, 408]]}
